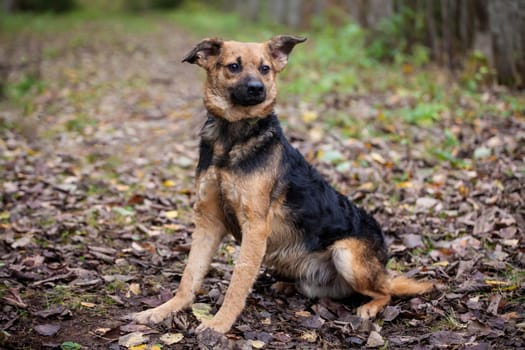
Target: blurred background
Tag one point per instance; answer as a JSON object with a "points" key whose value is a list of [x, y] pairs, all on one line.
{"points": [[480, 41], [414, 109]]}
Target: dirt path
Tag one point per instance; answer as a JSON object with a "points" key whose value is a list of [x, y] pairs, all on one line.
{"points": [[95, 215]]}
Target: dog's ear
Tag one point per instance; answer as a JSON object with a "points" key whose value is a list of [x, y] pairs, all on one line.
{"points": [[280, 47], [204, 53]]}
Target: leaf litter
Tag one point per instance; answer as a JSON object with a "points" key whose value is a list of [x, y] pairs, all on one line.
{"points": [[95, 212]]}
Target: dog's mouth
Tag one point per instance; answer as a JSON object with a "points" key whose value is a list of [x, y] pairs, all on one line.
{"points": [[247, 100], [249, 93]]}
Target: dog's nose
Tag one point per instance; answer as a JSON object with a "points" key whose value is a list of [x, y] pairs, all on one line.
{"points": [[255, 88]]}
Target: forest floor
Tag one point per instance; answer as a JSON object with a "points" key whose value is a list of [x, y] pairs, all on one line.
{"points": [[97, 156]]}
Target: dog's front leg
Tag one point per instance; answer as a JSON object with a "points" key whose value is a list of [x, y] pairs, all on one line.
{"points": [[253, 248], [205, 243]]}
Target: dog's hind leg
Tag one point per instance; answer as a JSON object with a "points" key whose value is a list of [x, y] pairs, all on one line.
{"points": [[357, 264], [356, 261]]}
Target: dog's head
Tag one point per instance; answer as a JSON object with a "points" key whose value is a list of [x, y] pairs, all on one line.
{"points": [[241, 77]]}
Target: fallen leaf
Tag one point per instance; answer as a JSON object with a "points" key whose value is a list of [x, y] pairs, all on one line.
{"points": [[132, 339], [201, 311], [135, 288], [313, 322], [390, 313], [425, 204], [257, 344], [330, 156], [132, 327], [123, 211], [494, 302], [52, 310], [482, 152], [496, 283], [171, 214], [22, 242], [376, 157], [69, 345], [168, 183], [309, 336], [375, 340], [412, 241], [47, 330], [303, 313], [309, 116], [171, 338], [366, 187], [138, 347], [87, 304], [101, 331]]}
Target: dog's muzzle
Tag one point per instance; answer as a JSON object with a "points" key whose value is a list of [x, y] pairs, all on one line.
{"points": [[248, 93]]}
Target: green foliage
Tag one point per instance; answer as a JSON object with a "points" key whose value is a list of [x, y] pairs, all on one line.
{"points": [[69, 345], [476, 72], [79, 123], [423, 114], [395, 37], [27, 84]]}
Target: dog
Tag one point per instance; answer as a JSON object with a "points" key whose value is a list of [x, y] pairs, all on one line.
{"points": [[252, 183]]}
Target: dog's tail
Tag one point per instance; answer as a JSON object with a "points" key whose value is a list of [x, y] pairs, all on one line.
{"points": [[402, 286]]}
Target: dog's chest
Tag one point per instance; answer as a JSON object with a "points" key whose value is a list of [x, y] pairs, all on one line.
{"points": [[224, 191]]}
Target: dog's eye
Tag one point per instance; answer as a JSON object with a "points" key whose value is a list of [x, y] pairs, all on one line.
{"points": [[264, 69], [234, 67]]}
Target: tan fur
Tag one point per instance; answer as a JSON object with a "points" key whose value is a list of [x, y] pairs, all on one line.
{"points": [[216, 99], [366, 275]]}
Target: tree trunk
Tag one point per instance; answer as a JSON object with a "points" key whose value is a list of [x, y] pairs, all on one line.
{"points": [[506, 19], [294, 15]]}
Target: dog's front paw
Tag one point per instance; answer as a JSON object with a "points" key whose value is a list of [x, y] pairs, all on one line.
{"points": [[219, 327], [151, 316]]}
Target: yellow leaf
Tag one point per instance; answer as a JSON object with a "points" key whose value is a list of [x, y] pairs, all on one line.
{"points": [[138, 347], [171, 214], [257, 344], [303, 313], [510, 288], [168, 183], [377, 158], [496, 283], [122, 188], [134, 288], [407, 68], [441, 263], [309, 116], [366, 187], [404, 184], [171, 338], [309, 336], [101, 331], [201, 311], [86, 304]]}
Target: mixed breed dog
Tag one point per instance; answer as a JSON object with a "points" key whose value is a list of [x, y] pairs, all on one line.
{"points": [[251, 183]]}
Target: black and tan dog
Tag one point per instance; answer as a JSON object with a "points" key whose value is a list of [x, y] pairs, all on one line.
{"points": [[253, 184]]}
